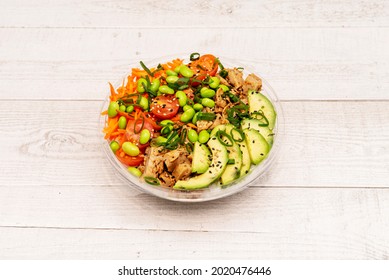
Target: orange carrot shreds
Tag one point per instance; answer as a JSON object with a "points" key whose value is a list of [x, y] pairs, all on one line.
{"points": [[191, 125], [113, 93], [104, 113]]}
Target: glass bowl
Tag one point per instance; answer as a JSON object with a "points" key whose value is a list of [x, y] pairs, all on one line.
{"points": [[214, 191]]}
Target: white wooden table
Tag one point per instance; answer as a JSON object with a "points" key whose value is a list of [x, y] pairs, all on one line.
{"points": [[327, 197]]}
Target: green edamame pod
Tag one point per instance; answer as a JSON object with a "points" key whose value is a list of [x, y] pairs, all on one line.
{"points": [[182, 98], [214, 82], [134, 171], [122, 122], [171, 79], [112, 109], [144, 136], [166, 89], [130, 149], [171, 73], [155, 85], [187, 115], [144, 103], [203, 136], [114, 146], [198, 107], [208, 102], [186, 72], [140, 85], [192, 135]]}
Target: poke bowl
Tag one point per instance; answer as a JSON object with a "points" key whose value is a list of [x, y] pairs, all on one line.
{"points": [[191, 128]]}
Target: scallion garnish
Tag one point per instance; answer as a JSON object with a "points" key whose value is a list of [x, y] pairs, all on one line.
{"points": [[206, 116], [152, 180], [263, 118], [146, 69], [141, 127], [194, 56], [222, 133], [241, 135]]}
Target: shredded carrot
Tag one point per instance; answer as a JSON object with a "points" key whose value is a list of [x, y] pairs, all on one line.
{"points": [[104, 113], [191, 125]]}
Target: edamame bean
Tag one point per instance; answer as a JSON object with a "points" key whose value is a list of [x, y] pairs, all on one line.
{"points": [[155, 85], [144, 103], [214, 82], [198, 107], [166, 122], [187, 107], [209, 93], [160, 140], [186, 72], [203, 89], [182, 98], [130, 109], [140, 85], [122, 122], [134, 171], [166, 89], [144, 136], [203, 136], [112, 109], [114, 146], [130, 149], [208, 102], [171, 79], [122, 108], [187, 115], [224, 88], [177, 69], [192, 135], [171, 73]]}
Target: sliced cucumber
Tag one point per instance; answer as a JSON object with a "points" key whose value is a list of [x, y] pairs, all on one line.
{"points": [[258, 102]]}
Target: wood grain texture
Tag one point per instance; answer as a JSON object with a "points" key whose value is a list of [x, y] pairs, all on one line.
{"points": [[316, 64], [326, 144], [198, 13], [257, 223]]}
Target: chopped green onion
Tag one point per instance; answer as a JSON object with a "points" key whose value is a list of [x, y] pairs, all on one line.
{"points": [[152, 180], [241, 135], [231, 161], [206, 116], [260, 113], [136, 122], [194, 56], [189, 147], [222, 133], [146, 69]]}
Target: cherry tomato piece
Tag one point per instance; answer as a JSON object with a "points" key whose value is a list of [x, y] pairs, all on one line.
{"points": [[164, 106], [133, 130], [129, 160]]}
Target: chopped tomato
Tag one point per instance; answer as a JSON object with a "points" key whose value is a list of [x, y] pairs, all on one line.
{"points": [[206, 65], [164, 106], [129, 160], [133, 130]]}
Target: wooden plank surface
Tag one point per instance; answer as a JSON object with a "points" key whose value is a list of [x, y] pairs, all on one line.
{"points": [[309, 64], [198, 13], [257, 223], [327, 195], [326, 144]]}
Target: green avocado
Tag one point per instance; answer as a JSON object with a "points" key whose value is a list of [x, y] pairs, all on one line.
{"points": [[264, 130], [257, 145], [260, 103], [201, 158], [215, 170]]}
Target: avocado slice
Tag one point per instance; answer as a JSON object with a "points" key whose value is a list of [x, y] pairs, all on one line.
{"points": [[257, 145], [259, 102], [264, 130], [246, 160], [201, 158], [215, 170]]}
